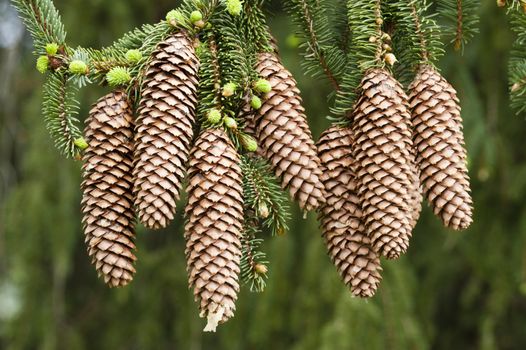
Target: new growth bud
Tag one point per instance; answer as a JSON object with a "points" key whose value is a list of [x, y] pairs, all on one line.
{"points": [[175, 18], [229, 89], [214, 116], [262, 86], [255, 102], [249, 143], [118, 76], [133, 56], [78, 67], [261, 269], [81, 143], [390, 59], [263, 211], [42, 64], [52, 49], [196, 16], [234, 7], [230, 123]]}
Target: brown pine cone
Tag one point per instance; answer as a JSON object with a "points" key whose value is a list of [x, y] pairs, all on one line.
{"points": [[214, 227], [107, 203], [341, 216], [284, 135], [383, 165], [165, 130], [439, 142]]}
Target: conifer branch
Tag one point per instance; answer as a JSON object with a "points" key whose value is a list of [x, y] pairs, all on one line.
{"points": [[60, 108], [419, 32], [461, 20], [43, 21], [323, 58], [365, 52], [416, 40], [253, 261], [254, 24], [263, 195]]}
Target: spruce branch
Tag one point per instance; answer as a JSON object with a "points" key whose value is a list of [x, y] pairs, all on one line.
{"points": [[461, 20], [416, 40], [254, 264], [254, 24], [365, 52], [322, 56], [43, 21], [60, 109], [263, 195]]}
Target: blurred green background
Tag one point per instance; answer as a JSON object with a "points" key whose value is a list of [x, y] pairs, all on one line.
{"points": [[451, 291]]}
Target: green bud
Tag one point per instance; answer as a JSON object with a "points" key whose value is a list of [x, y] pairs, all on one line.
{"points": [[175, 17], [293, 41], [196, 16], [229, 89], [52, 49], [249, 143], [81, 143], [42, 64], [78, 67], [261, 269], [230, 123], [133, 56], [214, 116], [262, 86], [118, 76], [256, 102], [263, 211], [234, 7]]}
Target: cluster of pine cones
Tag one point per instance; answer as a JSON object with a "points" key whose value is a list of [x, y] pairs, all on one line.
{"points": [[376, 169], [365, 179], [137, 165]]}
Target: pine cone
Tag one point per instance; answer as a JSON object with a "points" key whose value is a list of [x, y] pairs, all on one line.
{"points": [[341, 216], [165, 130], [107, 203], [439, 142], [383, 163], [214, 226], [284, 136]]}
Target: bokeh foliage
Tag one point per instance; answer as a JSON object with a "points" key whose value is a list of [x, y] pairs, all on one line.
{"points": [[453, 290]]}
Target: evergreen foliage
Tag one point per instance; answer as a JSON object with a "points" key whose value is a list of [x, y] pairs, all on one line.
{"points": [[460, 20], [60, 112]]}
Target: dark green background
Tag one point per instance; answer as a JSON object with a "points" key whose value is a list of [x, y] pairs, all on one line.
{"points": [[451, 291]]}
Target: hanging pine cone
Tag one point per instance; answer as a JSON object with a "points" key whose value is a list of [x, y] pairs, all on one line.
{"points": [[107, 203], [383, 163], [165, 130], [213, 230], [341, 216], [284, 136], [439, 142]]}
